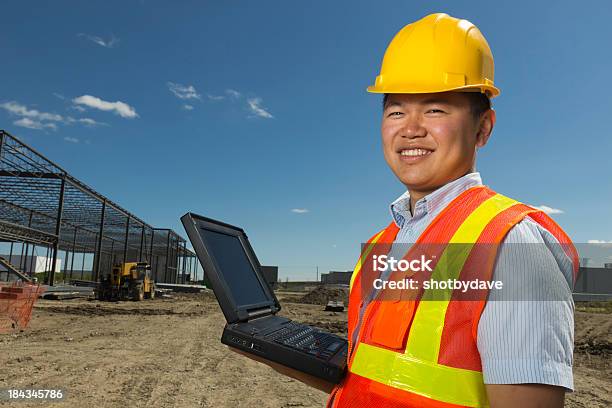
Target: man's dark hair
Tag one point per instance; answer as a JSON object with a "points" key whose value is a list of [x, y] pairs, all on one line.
{"points": [[479, 102]]}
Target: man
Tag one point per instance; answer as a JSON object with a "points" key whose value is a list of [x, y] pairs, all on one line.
{"points": [[437, 81]]}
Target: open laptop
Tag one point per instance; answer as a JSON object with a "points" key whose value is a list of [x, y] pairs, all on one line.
{"points": [[250, 306]]}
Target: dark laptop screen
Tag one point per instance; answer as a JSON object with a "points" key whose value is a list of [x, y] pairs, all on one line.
{"points": [[235, 267]]}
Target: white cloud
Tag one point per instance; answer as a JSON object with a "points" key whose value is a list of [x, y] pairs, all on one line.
{"points": [[59, 96], [34, 124], [215, 97], [233, 93], [91, 122], [598, 241], [548, 210], [78, 108], [100, 41], [71, 139], [254, 104], [300, 210], [18, 109], [31, 118], [188, 107], [34, 119], [120, 108], [255, 108], [88, 122], [183, 91]]}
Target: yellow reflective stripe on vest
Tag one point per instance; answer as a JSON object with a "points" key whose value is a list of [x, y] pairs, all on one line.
{"points": [[431, 380], [363, 257], [417, 370], [426, 331]]}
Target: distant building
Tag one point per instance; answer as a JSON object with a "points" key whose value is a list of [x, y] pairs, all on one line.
{"points": [[594, 280], [270, 274], [337, 277], [33, 263]]}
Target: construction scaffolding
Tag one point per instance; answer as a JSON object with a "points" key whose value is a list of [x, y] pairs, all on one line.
{"points": [[43, 209]]}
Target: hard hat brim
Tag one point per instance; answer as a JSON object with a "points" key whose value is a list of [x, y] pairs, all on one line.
{"points": [[490, 91]]}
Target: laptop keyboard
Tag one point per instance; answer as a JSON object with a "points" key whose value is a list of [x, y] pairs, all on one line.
{"points": [[306, 339]]}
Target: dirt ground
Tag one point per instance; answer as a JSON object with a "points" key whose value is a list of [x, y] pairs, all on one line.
{"points": [[167, 353]]}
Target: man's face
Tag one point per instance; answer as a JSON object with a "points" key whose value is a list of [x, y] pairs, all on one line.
{"points": [[430, 139]]}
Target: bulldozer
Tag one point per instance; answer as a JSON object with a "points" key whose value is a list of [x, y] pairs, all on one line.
{"points": [[127, 281]]}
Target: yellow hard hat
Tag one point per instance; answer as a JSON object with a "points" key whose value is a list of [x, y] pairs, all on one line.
{"points": [[436, 54]]}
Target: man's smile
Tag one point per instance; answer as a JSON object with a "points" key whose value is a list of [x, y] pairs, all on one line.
{"points": [[414, 154]]}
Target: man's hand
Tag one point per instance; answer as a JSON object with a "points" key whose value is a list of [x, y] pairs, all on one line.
{"points": [[307, 379], [525, 396]]}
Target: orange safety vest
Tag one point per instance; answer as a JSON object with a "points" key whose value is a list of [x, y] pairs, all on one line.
{"points": [[413, 353]]}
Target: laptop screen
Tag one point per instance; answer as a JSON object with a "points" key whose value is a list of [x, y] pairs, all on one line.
{"points": [[235, 267]]}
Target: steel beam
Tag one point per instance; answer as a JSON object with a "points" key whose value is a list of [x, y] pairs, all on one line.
{"points": [[127, 238], [98, 253], [73, 249], [167, 258], [142, 235], [58, 230]]}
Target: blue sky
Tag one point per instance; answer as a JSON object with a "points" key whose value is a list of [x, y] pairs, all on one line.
{"points": [[256, 112]]}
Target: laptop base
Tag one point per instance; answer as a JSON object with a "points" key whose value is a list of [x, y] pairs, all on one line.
{"points": [[256, 336]]}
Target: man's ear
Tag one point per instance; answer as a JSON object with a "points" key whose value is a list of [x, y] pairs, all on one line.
{"points": [[485, 127]]}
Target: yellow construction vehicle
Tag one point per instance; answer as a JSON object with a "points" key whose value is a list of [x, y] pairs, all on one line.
{"points": [[129, 280]]}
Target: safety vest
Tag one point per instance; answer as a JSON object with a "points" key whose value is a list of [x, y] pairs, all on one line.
{"points": [[417, 353]]}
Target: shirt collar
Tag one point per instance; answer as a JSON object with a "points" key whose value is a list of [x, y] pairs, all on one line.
{"points": [[433, 202]]}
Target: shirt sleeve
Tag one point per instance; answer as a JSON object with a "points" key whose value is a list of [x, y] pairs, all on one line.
{"points": [[526, 330]]}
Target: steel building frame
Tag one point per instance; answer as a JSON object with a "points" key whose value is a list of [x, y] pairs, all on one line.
{"points": [[41, 205]]}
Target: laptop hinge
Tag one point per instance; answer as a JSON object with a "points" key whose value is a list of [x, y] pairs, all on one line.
{"points": [[260, 312]]}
